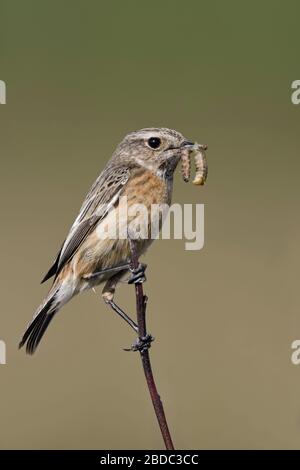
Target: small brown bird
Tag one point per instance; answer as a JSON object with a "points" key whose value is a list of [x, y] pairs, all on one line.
{"points": [[141, 169]]}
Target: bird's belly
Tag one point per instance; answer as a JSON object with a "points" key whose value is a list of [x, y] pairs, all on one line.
{"points": [[97, 255]]}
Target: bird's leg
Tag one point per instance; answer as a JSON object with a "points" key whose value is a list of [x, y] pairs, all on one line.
{"points": [[138, 275], [142, 343], [123, 315], [108, 296], [119, 268]]}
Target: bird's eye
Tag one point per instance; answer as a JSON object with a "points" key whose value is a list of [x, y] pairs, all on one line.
{"points": [[154, 142]]}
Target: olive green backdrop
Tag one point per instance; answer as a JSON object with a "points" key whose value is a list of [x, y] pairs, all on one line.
{"points": [[80, 75]]}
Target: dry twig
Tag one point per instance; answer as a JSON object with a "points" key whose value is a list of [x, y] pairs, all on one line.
{"points": [[142, 346]]}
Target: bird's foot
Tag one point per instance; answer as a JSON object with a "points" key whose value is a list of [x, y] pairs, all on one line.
{"points": [[138, 274], [141, 344]]}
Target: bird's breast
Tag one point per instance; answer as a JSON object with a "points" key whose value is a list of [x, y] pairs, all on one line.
{"points": [[133, 215]]}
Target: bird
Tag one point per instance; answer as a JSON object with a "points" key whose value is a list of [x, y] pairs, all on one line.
{"points": [[140, 171]]}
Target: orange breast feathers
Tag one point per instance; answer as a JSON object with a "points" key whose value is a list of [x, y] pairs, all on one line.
{"points": [[107, 245]]}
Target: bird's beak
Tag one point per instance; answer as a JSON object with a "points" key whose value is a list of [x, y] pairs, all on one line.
{"points": [[187, 143]]}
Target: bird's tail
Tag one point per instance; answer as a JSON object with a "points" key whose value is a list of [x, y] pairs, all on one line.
{"points": [[43, 316]]}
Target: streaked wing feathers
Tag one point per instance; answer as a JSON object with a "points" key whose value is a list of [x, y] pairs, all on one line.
{"points": [[104, 193], [79, 234], [53, 268]]}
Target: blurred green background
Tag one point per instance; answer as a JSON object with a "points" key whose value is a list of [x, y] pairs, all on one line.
{"points": [[79, 76]]}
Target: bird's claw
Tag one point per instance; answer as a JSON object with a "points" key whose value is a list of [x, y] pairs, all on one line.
{"points": [[141, 344], [138, 275]]}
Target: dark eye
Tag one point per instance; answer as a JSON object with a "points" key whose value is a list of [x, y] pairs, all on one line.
{"points": [[154, 142]]}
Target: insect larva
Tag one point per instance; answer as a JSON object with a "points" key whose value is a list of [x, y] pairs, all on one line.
{"points": [[201, 165], [186, 164]]}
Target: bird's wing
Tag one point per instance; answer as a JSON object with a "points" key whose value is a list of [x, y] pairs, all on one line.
{"points": [[102, 196]]}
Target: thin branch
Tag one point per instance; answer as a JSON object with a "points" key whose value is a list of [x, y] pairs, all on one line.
{"points": [[141, 302]]}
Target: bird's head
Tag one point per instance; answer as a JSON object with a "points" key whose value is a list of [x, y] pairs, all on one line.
{"points": [[157, 149]]}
